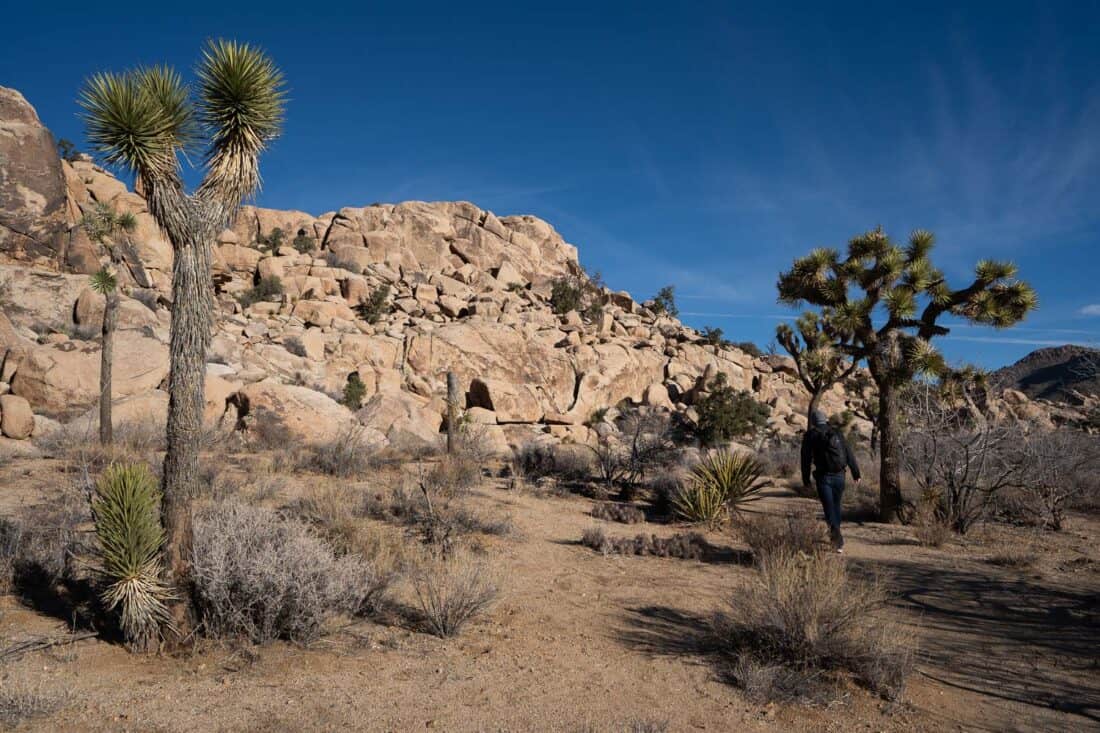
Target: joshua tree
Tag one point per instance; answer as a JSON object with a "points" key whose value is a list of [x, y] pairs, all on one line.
{"points": [[900, 289], [144, 120], [814, 348], [105, 226]]}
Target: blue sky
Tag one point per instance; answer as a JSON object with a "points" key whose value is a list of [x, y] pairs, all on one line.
{"points": [[699, 144]]}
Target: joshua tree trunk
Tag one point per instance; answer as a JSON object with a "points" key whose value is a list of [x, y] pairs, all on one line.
{"points": [[815, 400], [891, 503], [110, 319], [191, 325]]}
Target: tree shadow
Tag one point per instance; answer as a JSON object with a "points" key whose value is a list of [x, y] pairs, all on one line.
{"points": [[1010, 639]]}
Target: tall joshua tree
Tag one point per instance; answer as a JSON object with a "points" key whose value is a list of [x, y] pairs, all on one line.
{"points": [[816, 353], [885, 303], [105, 227], [144, 121]]}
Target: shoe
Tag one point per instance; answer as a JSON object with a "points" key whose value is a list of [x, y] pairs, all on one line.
{"points": [[840, 550]]}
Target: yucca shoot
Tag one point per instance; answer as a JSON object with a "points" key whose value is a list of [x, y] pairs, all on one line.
{"points": [[127, 524], [722, 481]]}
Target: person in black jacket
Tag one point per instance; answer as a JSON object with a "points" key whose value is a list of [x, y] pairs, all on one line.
{"points": [[828, 451]]}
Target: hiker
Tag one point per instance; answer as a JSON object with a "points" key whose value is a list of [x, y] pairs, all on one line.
{"points": [[828, 451]]}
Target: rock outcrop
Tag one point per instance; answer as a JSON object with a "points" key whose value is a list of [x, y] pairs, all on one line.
{"points": [[395, 295]]}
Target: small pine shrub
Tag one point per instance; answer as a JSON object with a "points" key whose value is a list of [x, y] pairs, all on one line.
{"points": [[749, 348], [126, 511], [376, 305], [712, 336], [273, 240], [566, 294], [303, 242], [452, 591], [722, 481], [726, 413], [266, 289], [354, 392], [664, 302]]}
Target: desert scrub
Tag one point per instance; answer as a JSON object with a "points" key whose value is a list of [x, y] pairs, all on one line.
{"points": [[453, 590], [354, 392], [345, 454], [726, 413], [126, 512], [790, 534], [805, 613], [723, 481], [21, 701], [683, 545], [624, 513], [268, 288], [376, 304], [262, 577]]}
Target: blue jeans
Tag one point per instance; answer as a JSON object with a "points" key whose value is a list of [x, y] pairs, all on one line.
{"points": [[830, 489]]}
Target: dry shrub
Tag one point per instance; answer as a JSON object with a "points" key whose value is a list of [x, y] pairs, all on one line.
{"points": [[782, 460], [539, 460], [331, 510], [345, 455], [1015, 555], [453, 590], [21, 701], [78, 442], [930, 529], [790, 534], [682, 545], [438, 521], [804, 612], [260, 576], [624, 513], [37, 551], [451, 476], [764, 682]]}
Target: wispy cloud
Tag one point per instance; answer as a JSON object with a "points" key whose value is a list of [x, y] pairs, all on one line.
{"points": [[1090, 310], [1011, 340]]}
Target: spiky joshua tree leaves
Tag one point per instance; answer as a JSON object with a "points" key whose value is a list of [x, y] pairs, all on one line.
{"points": [[813, 344], [109, 229], [130, 538], [145, 121], [884, 302]]}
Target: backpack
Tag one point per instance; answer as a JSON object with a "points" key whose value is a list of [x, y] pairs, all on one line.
{"points": [[831, 455]]}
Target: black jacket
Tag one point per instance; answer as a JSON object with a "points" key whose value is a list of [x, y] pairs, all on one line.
{"points": [[813, 452]]}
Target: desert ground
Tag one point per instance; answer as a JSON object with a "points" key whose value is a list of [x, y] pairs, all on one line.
{"points": [[1007, 622]]}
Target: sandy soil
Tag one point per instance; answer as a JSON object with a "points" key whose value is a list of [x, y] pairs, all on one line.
{"points": [[579, 641]]}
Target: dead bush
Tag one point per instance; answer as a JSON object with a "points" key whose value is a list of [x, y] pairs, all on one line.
{"points": [[805, 612], [790, 534], [929, 529], [782, 460], [451, 476], [21, 701], [347, 454], [1059, 467], [438, 522], [330, 510], [539, 460], [623, 513], [263, 577], [682, 545], [451, 591], [765, 682]]}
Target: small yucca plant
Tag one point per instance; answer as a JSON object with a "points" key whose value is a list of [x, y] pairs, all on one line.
{"points": [[722, 481], [127, 525]]}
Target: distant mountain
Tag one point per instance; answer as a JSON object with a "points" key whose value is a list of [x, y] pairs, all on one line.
{"points": [[1053, 373]]}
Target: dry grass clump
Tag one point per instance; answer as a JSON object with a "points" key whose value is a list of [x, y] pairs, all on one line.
{"points": [[451, 476], [37, 550], [345, 455], [930, 529], [21, 701], [623, 513], [453, 590], [805, 613], [78, 442], [534, 461], [438, 520], [263, 577], [1014, 555], [790, 534], [683, 545]]}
